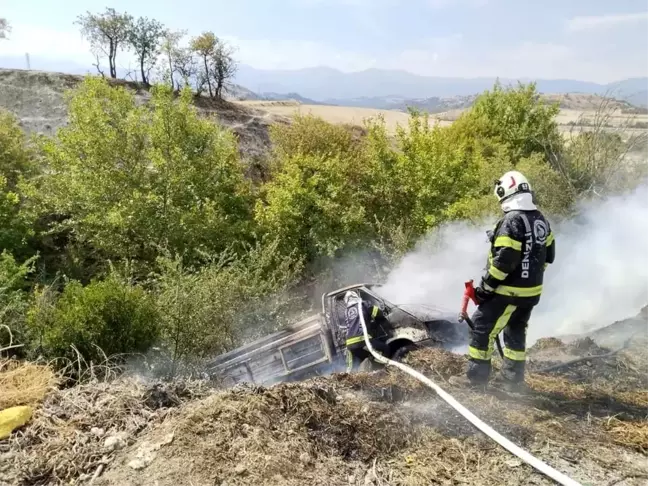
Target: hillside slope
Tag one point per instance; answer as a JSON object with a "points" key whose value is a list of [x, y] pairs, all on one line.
{"points": [[381, 428], [37, 99]]}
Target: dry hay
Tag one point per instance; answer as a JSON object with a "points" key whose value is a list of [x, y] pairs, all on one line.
{"points": [[24, 383], [441, 362], [629, 434], [546, 343], [585, 347], [67, 438], [363, 428], [289, 434]]}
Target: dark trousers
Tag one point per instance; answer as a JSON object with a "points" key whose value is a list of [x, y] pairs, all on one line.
{"points": [[357, 353], [491, 318]]}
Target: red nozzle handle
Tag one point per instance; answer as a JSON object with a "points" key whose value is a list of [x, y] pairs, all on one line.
{"points": [[469, 294]]}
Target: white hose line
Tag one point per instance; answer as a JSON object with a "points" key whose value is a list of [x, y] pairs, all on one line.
{"points": [[472, 418]]}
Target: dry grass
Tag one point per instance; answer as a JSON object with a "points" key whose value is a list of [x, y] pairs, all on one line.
{"points": [[376, 429], [437, 361], [335, 114], [24, 383], [65, 439], [546, 343], [629, 434]]}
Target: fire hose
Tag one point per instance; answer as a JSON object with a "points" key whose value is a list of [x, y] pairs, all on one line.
{"points": [[533, 461]]}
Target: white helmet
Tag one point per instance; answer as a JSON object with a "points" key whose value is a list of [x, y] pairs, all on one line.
{"points": [[351, 297], [510, 184]]}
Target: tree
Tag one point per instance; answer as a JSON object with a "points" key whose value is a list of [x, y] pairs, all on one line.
{"points": [[224, 67], [315, 200], [106, 32], [186, 66], [145, 38], [206, 46], [516, 117], [5, 28], [170, 48]]}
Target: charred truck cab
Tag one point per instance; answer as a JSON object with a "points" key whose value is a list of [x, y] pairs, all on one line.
{"points": [[316, 345]]}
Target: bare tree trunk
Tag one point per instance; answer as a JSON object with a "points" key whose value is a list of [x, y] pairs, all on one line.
{"points": [[211, 93], [111, 59], [144, 78], [171, 71]]}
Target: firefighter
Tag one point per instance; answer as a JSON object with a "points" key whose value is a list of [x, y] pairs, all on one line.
{"points": [[522, 245], [356, 349]]}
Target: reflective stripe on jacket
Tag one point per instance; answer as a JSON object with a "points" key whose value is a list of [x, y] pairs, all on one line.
{"points": [[522, 245], [354, 332]]}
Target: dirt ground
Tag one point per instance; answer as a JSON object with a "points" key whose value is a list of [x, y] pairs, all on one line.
{"points": [[589, 419], [37, 98]]}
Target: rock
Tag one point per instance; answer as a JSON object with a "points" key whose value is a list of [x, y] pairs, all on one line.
{"points": [[240, 469], [137, 464], [97, 431], [370, 478], [513, 463], [305, 458], [114, 443], [352, 479], [147, 451]]}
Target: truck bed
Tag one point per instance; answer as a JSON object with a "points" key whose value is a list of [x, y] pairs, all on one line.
{"points": [[275, 357]]}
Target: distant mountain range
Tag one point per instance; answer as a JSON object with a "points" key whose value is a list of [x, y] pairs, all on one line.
{"points": [[336, 87], [375, 88]]}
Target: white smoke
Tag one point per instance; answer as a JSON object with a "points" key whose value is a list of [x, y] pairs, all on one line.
{"points": [[600, 274]]}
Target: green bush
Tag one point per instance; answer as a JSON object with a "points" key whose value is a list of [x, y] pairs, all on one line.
{"points": [[213, 309], [14, 300], [104, 318], [130, 181], [16, 168], [516, 117]]}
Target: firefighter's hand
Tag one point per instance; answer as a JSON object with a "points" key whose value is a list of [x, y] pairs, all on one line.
{"points": [[482, 295]]}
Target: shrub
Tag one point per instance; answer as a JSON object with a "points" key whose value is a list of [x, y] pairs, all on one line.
{"points": [[14, 300], [208, 311], [132, 180], [16, 167], [109, 316], [516, 117]]}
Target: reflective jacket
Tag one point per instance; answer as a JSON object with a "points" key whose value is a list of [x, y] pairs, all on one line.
{"points": [[522, 245], [354, 332]]}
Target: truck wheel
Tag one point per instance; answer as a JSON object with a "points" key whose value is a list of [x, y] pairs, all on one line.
{"points": [[403, 351]]}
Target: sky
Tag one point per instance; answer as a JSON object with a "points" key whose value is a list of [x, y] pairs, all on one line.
{"points": [[589, 40]]}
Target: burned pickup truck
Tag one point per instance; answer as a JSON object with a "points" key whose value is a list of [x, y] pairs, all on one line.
{"points": [[316, 345]]}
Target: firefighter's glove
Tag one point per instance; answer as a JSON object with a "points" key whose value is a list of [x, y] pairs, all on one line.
{"points": [[490, 234], [482, 295]]}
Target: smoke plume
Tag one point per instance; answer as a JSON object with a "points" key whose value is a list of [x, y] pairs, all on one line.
{"points": [[600, 274]]}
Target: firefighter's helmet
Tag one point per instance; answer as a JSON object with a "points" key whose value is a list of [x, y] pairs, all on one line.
{"points": [[510, 184]]}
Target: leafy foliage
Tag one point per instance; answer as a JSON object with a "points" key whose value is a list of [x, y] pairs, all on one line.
{"points": [[106, 32], [5, 28], [110, 316], [218, 65], [208, 311], [314, 201], [14, 299], [134, 180], [515, 117], [17, 167], [145, 37], [217, 259]]}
